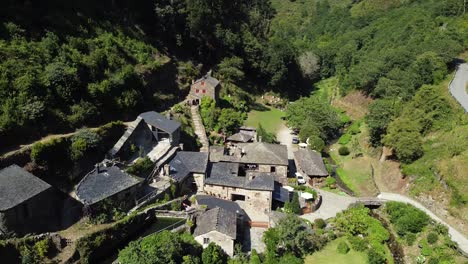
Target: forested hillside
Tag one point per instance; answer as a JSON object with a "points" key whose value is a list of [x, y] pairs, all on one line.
{"points": [[65, 65], [398, 53]]}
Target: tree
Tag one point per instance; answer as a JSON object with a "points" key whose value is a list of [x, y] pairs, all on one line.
{"points": [[254, 258], [265, 135], [404, 137], [310, 64], [208, 112], [229, 121], [379, 116], [230, 69], [214, 254]]}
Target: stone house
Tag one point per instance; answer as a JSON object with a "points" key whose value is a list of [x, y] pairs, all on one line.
{"points": [[188, 169], [309, 164], [148, 135], [108, 183], [254, 190], [205, 86], [255, 157], [217, 226], [27, 204]]}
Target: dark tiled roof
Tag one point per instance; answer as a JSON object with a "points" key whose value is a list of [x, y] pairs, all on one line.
{"points": [[213, 202], [226, 174], [217, 219], [310, 162], [240, 137], [160, 121], [17, 185], [186, 162], [95, 186], [257, 153], [208, 79]]}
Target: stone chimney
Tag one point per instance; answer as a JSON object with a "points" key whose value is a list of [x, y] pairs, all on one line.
{"points": [[97, 166], [166, 169], [181, 146], [168, 115]]}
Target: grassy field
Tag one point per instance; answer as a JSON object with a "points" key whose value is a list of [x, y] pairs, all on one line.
{"points": [[269, 117], [329, 254]]}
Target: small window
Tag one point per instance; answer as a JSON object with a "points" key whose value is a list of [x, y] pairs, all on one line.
{"points": [[197, 91], [272, 169], [203, 91], [206, 240]]}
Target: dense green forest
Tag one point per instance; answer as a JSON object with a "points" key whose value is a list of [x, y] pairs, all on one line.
{"points": [[66, 65]]}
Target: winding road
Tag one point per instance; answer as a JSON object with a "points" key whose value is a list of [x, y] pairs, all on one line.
{"points": [[458, 85]]}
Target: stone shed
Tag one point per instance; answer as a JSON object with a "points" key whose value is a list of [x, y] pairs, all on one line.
{"points": [[217, 226], [108, 182], [27, 204], [309, 163]]}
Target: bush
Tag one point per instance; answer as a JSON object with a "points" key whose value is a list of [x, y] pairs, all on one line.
{"points": [[344, 139], [410, 238], [374, 257], [406, 218], [354, 129], [141, 167], [43, 247], [432, 238], [330, 182], [343, 151], [357, 243], [320, 223], [175, 206], [342, 248]]}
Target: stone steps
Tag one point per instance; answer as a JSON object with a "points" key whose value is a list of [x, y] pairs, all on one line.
{"points": [[200, 129]]}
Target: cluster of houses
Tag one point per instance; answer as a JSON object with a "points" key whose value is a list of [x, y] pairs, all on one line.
{"points": [[242, 178]]}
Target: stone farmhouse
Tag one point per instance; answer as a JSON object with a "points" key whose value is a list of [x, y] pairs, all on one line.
{"points": [[309, 164], [255, 157], [254, 190], [188, 170], [217, 226], [107, 182], [151, 134], [205, 86], [28, 204]]}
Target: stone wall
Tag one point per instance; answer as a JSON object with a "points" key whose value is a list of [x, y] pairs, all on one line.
{"points": [[225, 242], [256, 199], [38, 214], [200, 181]]}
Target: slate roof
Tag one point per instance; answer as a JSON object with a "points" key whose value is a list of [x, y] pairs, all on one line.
{"points": [[116, 148], [186, 162], [161, 122], [213, 202], [281, 194], [210, 80], [310, 162], [226, 174], [97, 186], [256, 153], [17, 185], [217, 219], [240, 137]]}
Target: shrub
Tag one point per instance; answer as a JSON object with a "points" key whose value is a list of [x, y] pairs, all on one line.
{"points": [[141, 167], [410, 238], [175, 206], [344, 139], [330, 182], [42, 247], [357, 243], [320, 223], [406, 218], [354, 129], [343, 151], [432, 238], [374, 257], [342, 248]]}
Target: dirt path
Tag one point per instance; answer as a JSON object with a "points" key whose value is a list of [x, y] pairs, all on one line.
{"points": [[23, 147], [285, 137]]}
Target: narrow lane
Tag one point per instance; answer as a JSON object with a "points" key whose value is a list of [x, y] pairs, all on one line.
{"points": [[458, 85]]}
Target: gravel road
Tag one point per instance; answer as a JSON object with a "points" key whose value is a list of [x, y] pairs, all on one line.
{"points": [[458, 85]]}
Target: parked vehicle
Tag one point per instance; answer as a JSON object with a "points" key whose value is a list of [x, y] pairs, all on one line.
{"points": [[300, 178], [295, 140]]}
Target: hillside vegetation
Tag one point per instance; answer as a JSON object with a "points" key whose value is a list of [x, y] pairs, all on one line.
{"points": [[399, 53]]}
